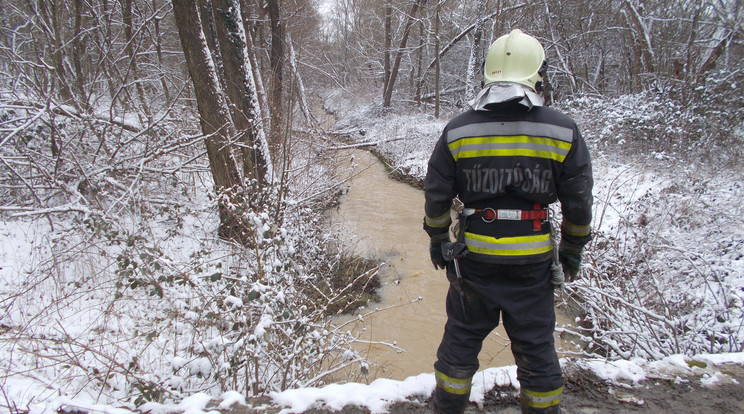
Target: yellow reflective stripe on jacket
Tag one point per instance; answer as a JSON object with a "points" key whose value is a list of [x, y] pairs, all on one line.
{"points": [[576, 229], [508, 246], [452, 385], [441, 221], [507, 146], [542, 399]]}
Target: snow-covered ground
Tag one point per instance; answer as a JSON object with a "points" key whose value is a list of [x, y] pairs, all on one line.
{"points": [[667, 265], [381, 394]]}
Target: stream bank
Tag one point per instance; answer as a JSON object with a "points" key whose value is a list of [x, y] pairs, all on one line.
{"points": [[384, 217]]}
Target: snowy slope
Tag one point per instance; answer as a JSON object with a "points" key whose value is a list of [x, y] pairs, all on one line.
{"points": [[663, 285]]}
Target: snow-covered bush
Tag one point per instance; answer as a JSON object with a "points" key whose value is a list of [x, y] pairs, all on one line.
{"points": [[665, 270], [137, 318], [114, 286], [705, 126], [666, 265]]}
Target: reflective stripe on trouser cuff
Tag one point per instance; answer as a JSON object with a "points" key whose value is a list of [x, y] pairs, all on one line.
{"points": [[460, 386], [576, 229], [542, 399], [441, 221], [508, 246]]}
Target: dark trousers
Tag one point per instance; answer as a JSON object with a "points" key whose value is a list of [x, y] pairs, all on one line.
{"points": [[523, 296]]}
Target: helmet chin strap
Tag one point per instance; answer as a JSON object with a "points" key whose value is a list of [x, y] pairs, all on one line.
{"points": [[542, 72], [500, 92]]}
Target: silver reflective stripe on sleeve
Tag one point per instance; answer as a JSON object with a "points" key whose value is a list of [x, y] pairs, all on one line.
{"points": [[535, 129], [441, 221], [576, 229]]}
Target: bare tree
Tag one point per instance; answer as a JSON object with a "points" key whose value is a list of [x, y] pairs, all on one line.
{"points": [[388, 44], [728, 15], [276, 57], [130, 48], [436, 62], [441, 52], [390, 83], [641, 35], [474, 63], [69, 91], [241, 90], [214, 115]]}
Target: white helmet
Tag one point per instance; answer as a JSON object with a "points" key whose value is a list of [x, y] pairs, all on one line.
{"points": [[518, 58]]}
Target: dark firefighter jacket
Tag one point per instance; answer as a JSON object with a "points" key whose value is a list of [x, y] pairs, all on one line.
{"points": [[510, 158]]}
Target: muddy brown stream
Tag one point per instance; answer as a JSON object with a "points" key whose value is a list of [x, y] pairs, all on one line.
{"points": [[386, 217]]}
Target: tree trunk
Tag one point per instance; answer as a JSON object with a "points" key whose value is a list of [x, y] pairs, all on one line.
{"points": [[159, 52], [54, 40], [213, 113], [255, 67], [471, 84], [643, 37], [78, 51], [442, 51], [388, 44], [436, 60], [563, 62], [301, 93], [710, 62], [126, 15], [419, 66], [388, 92], [240, 90], [207, 22], [276, 57]]}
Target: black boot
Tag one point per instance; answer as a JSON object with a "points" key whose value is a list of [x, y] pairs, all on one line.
{"points": [[526, 409], [443, 402]]}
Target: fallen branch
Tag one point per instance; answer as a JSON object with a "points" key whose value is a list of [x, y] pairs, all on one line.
{"points": [[59, 209], [365, 144]]}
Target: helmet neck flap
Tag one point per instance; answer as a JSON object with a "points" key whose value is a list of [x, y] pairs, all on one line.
{"points": [[501, 92]]}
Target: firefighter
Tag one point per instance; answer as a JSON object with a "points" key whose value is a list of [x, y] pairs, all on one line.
{"points": [[506, 160]]}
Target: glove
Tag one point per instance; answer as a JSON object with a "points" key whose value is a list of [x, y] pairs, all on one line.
{"points": [[435, 251], [569, 254]]}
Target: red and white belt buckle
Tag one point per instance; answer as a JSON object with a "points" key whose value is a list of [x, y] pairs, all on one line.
{"points": [[505, 214]]}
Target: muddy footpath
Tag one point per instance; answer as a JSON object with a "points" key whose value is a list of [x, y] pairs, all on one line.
{"points": [[687, 392]]}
